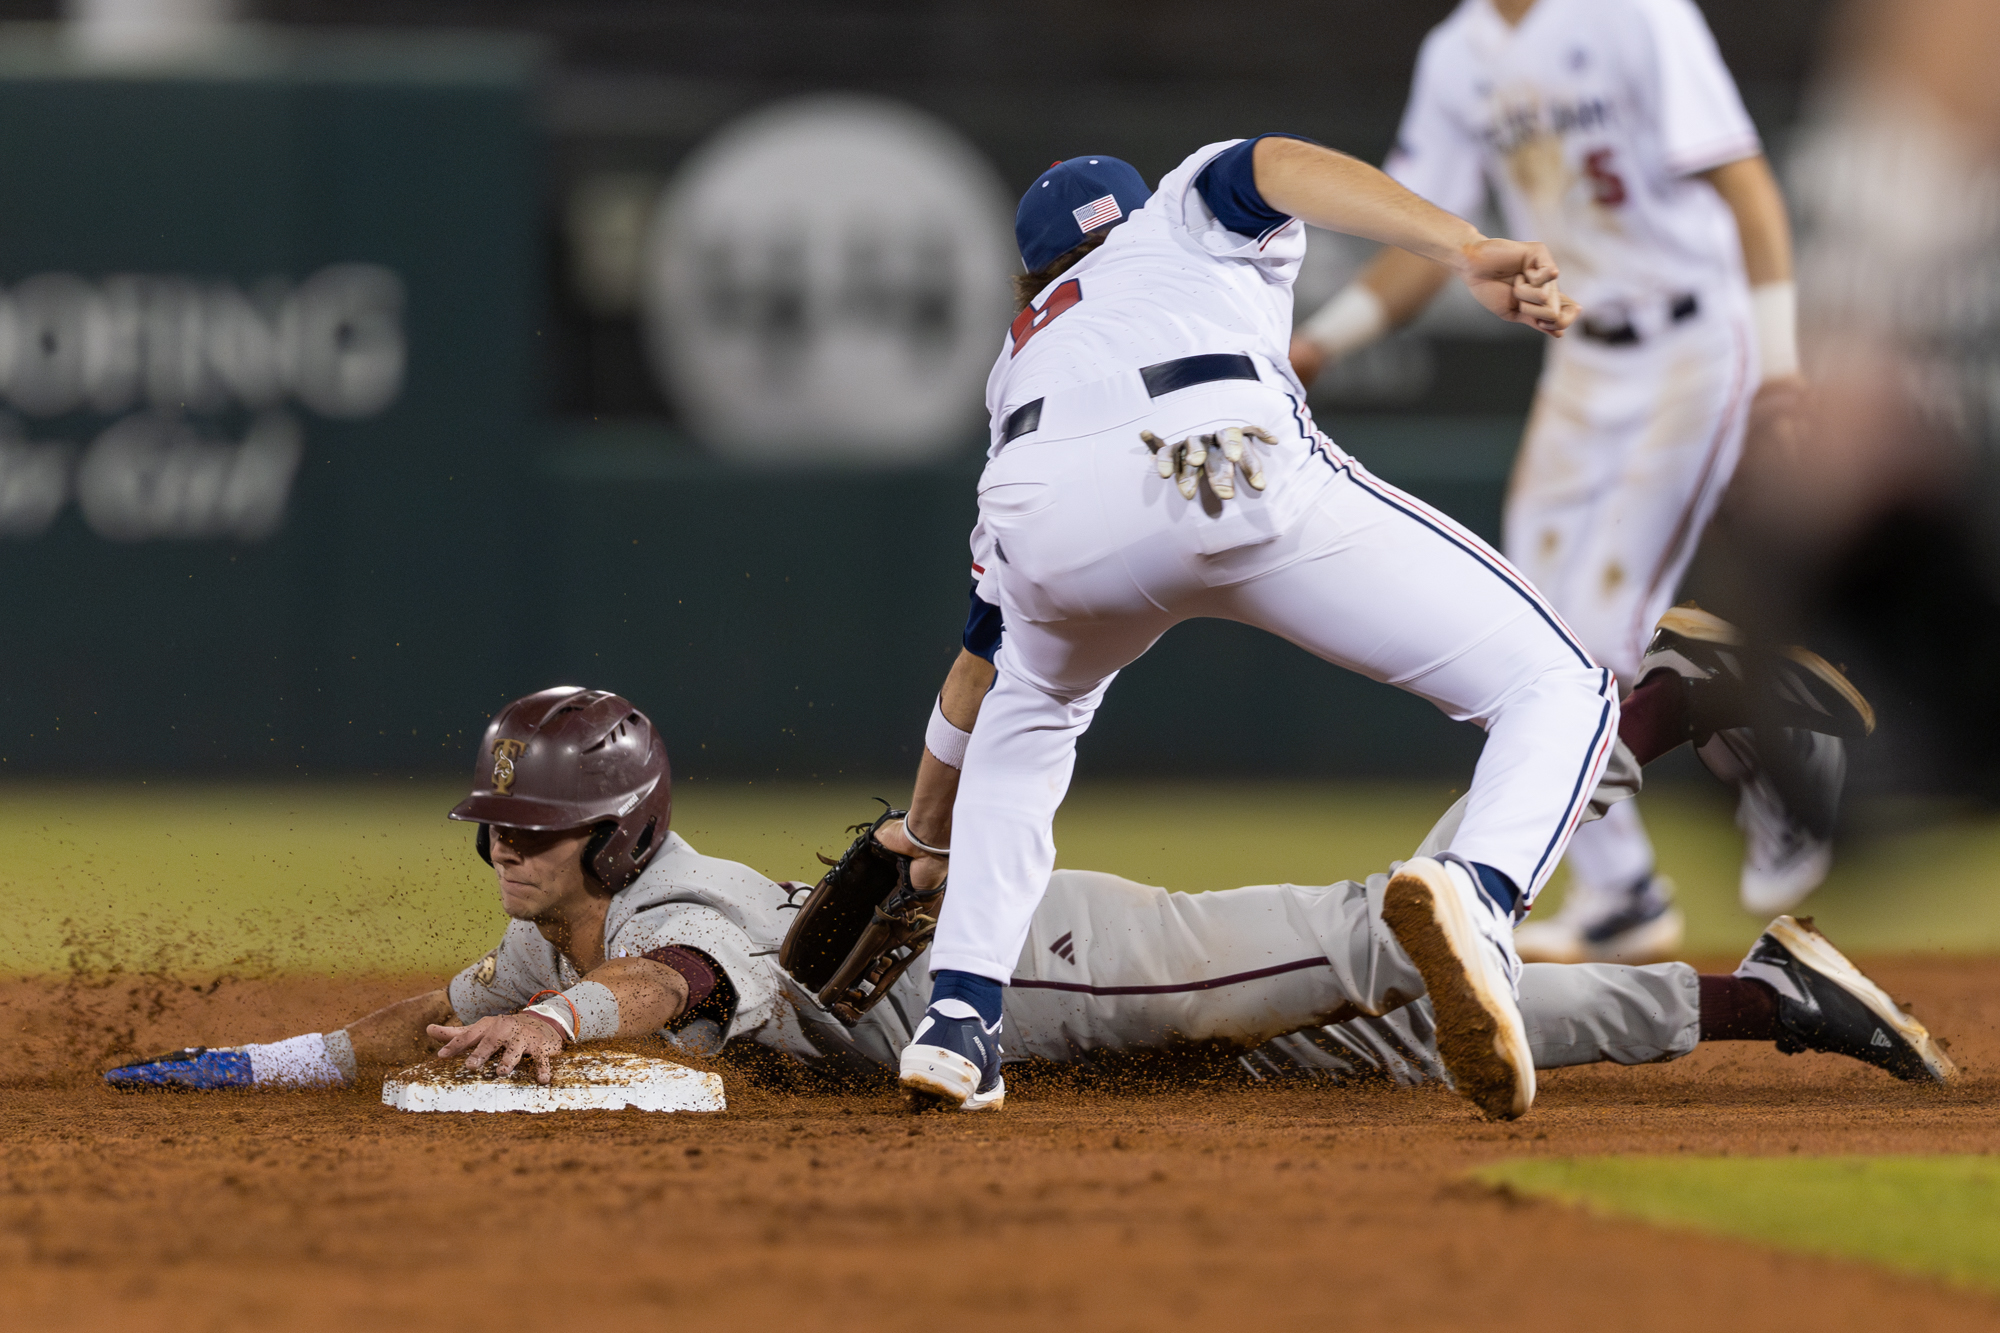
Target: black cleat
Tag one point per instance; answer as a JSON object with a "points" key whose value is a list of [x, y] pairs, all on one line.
{"points": [[1734, 685], [1825, 1004], [1771, 724]]}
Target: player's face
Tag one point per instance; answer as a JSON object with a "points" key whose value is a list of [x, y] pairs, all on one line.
{"points": [[538, 870]]}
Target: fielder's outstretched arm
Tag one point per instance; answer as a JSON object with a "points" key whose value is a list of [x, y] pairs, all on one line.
{"points": [[965, 688], [1516, 280]]}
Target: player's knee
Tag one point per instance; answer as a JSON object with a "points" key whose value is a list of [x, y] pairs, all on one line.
{"points": [[1584, 692]]}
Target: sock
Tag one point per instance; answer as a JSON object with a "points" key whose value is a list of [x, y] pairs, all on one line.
{"points": [[1656, 717], [982, 993], [313, 1060], [1498, 888], [1737, 1009]]}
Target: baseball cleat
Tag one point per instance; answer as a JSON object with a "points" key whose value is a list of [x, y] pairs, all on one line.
{"points": [[1636, 926], [1799, 688], [1463, 950], [1826, 1004], [953, 1061], [203, 1068]]}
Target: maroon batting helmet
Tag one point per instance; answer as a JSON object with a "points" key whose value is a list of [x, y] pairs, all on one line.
{"points": [[572, 758]]}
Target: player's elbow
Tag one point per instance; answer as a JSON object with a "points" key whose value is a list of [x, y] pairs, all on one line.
{"points": [[650, 994]]}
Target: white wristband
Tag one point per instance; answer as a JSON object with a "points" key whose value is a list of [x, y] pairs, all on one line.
{"points": [[597, 1007], [1349, 322], [944, 740], [1774, 314], [557, 1013]]}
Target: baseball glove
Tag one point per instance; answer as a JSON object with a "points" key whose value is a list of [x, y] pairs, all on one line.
{"points": [[861, 927]]}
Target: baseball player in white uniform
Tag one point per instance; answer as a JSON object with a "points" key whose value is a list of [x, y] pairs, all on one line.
{"points": [[620, 928], [1152, 460], [1612, 130]]}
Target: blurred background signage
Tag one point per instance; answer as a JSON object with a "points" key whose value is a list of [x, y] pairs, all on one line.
{"points": [[819, 283], [156, 350], [267, 338], [359, 372]]}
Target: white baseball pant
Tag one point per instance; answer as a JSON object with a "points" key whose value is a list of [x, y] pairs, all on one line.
{"points": [[1627, 453], [1099, 556]]}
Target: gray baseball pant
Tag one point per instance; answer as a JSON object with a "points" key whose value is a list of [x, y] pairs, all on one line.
{"points": [[1286, 980], [1297, 979]]}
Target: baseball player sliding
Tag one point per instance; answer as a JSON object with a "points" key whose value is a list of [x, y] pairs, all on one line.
{"points": [[1612, 130], [1152, 460], [620, 928]]}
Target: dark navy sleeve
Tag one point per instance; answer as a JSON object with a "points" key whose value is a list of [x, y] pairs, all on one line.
{"points": [[982, 627], [1228, 185]]}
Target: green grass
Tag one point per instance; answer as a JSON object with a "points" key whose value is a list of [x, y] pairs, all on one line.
{"points": [[1934, 1216], [350, 878]]}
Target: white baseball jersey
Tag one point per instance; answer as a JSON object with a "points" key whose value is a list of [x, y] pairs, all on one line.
{"points": [[1154, 292], [1588, 120]]}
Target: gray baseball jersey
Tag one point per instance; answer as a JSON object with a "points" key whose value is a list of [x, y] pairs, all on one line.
{"points": [[1290, 979]]}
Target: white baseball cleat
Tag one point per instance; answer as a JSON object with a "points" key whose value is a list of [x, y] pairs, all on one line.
{"points": [[1633, 926], [1464, 950]]}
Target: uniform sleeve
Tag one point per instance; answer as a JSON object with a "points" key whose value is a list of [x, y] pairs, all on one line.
{"points": [[982, 616], [1436, 155], [1181, 204], [504, 980], [1228, 185], [719, 941], [1702, 120]]}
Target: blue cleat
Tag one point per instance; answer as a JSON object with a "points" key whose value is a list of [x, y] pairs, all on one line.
{"points": [[953, 1060], [203, 1068]]}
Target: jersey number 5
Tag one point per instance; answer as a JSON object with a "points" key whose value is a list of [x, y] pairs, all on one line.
{"points": [[1032, 321], [1607, 187]]}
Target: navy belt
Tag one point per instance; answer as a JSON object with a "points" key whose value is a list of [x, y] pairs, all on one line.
{"points": [[1684, 306], [1161, 379]]}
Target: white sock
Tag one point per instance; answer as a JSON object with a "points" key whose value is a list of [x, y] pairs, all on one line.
{"points": [[314, 1060]]}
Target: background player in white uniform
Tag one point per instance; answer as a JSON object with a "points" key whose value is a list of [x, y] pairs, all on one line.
{"points": [[1611, 130], [1164, 348], [686, 947]]}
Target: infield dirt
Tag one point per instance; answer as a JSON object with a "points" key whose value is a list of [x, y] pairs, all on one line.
{"points": [[1099, 1205]]}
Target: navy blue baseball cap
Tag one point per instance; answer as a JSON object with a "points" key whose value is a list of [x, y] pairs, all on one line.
{"points": [[1072, 198]]}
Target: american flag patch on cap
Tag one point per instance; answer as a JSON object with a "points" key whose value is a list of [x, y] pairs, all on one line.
{"points": [[1098, 212]]}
